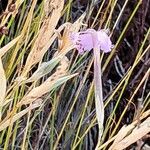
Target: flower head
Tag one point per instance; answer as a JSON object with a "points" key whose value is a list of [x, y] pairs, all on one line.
{"points": [[89, 39]]}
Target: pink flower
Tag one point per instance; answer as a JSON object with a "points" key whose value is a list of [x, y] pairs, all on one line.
{"points": [[89, 39]]}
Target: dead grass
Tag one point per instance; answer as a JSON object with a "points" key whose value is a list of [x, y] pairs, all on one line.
{"points": [[47, 89]]}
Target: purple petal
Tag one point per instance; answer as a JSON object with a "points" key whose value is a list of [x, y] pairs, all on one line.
{"points": [[86, 41], [104, 41], [89, 39], [74, 37], [83, 41]]}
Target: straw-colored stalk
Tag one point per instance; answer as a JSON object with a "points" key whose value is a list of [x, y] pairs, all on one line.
{"points": [[7, 47], [125, 130], [46, 31], [34, 97], [46, 86], [124, 139], [9, 121], [2, 86]]}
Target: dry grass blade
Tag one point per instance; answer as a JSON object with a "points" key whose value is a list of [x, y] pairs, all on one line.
{"points": [[121, 134], [45, 34], [4, 49], [53, 81], [44, 69], [45, 103], [117, 138], [17, 5], [11, 120], [136, 134], [2, 86], [65, 45], [65, 42]]}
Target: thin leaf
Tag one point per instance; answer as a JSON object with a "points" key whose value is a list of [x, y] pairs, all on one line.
{"points": [[10, 121], [4, 49], [135, 135], [98, 92], [2, 86], [44, 69], [44, 88]]}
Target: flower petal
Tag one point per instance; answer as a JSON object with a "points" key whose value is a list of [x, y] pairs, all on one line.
{"points": [[83, 41], [89, 39], [104, 41], [86, 41]]}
